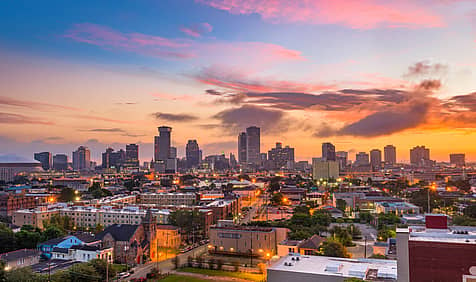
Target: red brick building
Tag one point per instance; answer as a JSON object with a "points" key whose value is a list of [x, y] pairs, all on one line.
{"points": [[435, 252], [12, 202]]}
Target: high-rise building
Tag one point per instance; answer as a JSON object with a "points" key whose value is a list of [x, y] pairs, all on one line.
{"points": [[419, 155], [162, 144], [458, 160], [60, 162], [242, 148], [342, 157], [375, 159], [328, 152], [390, 154], [81, 158], [132, 155], [253, 142], [45, 159], [192, 153], [281, 157], [324, 169], [361, 159], [111, 159], [173, 153]]}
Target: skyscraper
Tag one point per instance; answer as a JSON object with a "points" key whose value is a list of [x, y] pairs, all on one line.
{"points": [[45, 159], [375, 159], [419, 155], [390, 154], [132, 155], [328, 152], [281, 157], [82, 158], [253, 142], [242, 148], [324, 169], [162, 144], [457, 159], [111, 159], [342, 157], [60, 162], [192, 153], [362, 159]]}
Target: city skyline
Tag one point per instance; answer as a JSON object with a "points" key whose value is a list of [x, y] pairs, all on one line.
{"points": [[377, 73]]}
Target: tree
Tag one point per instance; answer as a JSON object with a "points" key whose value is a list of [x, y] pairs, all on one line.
{"points": [[27, 239], [21, 275], [342, 235], [100, 266], [321, 217], [176, 262], [341, 204], [299, 235], [83, 272], [332, 248], [470, 211], [274, 184], [277, 199], [378, 256], [7, 239], [67, 195], [52, 232], [98, 192], [366, 217], [353, 279], [385, 233]]}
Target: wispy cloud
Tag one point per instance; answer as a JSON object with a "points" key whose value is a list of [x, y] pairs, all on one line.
{"points": [[174, 117], [362, 14], [9, 118], [8, 101], [197, 30], [179, 48]]}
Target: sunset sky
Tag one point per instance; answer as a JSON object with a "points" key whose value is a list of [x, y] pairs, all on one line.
{"points": [[360, 74]]}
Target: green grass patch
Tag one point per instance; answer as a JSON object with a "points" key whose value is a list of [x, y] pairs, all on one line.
{"points": [[182, 278], [212, 272]]}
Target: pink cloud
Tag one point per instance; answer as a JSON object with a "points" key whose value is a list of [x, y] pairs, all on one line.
{"points": [[240, 81], [132, 42], [180, 48], [7, 101], [359, 14], [197, 30]]}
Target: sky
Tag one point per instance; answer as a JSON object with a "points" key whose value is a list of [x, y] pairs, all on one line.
{"points": [[360, 74]]}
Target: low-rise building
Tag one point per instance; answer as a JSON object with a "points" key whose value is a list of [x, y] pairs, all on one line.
{"points": [[35, 217], [20, 258], [396, 208], [127, 240], [10, 202], [9, 170], [436, 251], [83, 253], [162, 199], [245, 240], [297, 268], [79, 184]]}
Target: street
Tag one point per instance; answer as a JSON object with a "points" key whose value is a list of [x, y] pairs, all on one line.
{"points": [[166, 265]]}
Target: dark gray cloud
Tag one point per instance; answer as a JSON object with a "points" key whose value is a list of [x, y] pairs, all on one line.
{"points": [[106, 130], [462, 103], [429, 85], [387, 122], [174, 117], [426, 68], [237, 119]]}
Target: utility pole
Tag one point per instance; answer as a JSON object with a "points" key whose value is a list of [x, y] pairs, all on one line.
{"points": [[365, 248]]}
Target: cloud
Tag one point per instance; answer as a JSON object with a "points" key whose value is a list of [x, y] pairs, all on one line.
{"points": [[426, 68], [197, 30], [235, 120], [179, 48], [239, 81], [22, 119], [106, 130], [8, 101], [388, 121], [93, 117], [143, 44], [429, 85], [174, 117], [362, 14]]}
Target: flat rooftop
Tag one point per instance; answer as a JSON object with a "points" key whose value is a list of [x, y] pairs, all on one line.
{"points": [[368, 269], [454, 234]]}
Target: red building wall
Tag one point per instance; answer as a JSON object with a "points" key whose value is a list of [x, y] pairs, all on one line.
{"points": [[435, 261]]}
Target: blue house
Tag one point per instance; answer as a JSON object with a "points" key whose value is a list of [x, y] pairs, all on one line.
{"points": [[62, 242]]}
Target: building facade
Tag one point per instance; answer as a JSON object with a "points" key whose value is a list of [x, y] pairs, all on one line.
{"points": [[390, 154], [328, 152], [253, 145], [82, 158], [45, 158]]}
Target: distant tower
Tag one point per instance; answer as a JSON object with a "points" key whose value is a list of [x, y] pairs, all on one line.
{"points": [[192, 152], [390, 154], [328, 152], [253, 142], [242, 148], [81, 158], [375, 159], [162, 144]]}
